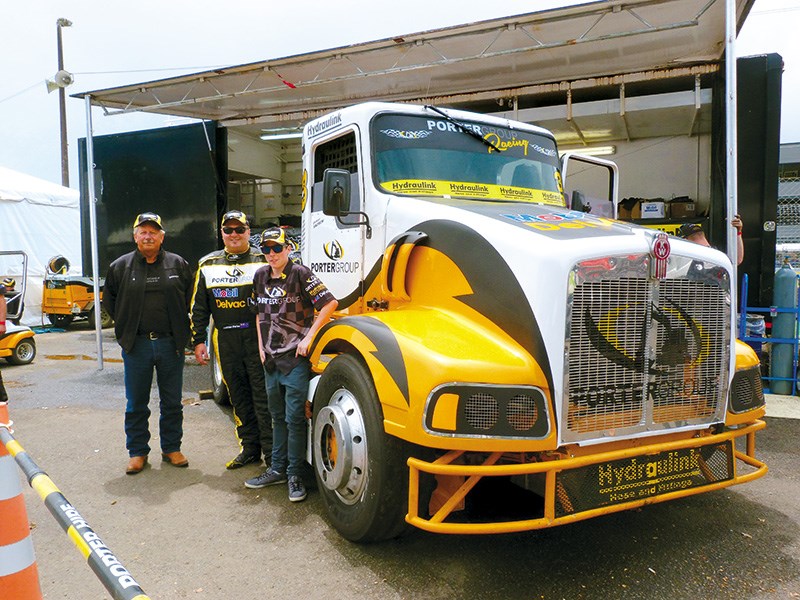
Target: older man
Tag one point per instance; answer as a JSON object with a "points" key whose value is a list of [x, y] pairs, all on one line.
{"points": [[222, 290], [147, 292]]}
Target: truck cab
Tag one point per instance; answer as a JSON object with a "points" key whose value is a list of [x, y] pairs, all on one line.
{"points": [[489, 332]]}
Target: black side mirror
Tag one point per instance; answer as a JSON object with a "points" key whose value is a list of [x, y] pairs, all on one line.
{"points": [[335, 192]]}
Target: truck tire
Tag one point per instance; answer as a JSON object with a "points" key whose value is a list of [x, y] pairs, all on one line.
{"points": [[24, 352], [218, 387], [61, 321], [360, 470]]}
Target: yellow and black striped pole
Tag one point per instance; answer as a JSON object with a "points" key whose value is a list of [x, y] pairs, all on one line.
{"points": [[116, 578]]}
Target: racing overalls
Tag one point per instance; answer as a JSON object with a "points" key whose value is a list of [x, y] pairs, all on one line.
{"points": [[222, 290]]}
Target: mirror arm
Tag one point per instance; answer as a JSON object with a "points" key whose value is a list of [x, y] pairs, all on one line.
{"points": [[364, 222]]}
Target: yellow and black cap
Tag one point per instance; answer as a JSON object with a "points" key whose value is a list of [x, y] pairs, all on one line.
{"points": [[235, 215], [276, 235], [148, 217]]}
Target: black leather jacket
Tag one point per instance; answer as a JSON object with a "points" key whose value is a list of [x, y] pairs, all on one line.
{"points": [[123, 295]]}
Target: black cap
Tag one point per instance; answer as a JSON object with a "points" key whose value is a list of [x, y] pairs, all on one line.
{"points": [[688, 229]]}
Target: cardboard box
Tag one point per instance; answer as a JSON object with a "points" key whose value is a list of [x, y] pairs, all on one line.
{"points": [[653, 209], [628, 209], [681, 209]]}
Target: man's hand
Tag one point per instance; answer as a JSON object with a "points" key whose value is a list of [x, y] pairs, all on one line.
{"points": [[201, 353], [737, 223]]}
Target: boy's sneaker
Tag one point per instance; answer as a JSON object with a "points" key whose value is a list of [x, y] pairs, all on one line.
{"points": [[297, 491], [268, 477]]}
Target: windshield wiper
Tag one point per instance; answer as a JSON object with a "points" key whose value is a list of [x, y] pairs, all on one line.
{"points": [[463, 127]]}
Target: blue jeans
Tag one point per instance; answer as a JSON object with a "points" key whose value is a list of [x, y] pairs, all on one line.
{"points": [[287, 396], [167, 360]]}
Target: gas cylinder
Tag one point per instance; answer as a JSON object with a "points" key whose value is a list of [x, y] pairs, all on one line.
{"points": [[784, 325]]}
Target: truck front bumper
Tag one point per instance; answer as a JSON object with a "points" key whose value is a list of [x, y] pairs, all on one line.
{"points": [[582, 487]]}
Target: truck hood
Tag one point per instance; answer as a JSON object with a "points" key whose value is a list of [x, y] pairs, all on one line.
{"points": [[520, 259]]}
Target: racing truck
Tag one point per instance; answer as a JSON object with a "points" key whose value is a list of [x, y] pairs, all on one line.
{"points": [[496, 344]]}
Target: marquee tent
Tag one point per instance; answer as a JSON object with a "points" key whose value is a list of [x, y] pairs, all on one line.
{"points": [[41, 219]]}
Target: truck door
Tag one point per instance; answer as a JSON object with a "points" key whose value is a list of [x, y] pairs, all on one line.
{"points": [[334, 246]]}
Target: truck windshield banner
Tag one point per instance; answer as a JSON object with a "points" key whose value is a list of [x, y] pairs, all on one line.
{"points": [[432, 156]]}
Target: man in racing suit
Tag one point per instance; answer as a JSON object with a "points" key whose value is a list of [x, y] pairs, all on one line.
{"points": [[222, 290]]}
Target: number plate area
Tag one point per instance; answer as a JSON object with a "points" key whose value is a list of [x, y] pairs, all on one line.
{"points": [[631, 479]]}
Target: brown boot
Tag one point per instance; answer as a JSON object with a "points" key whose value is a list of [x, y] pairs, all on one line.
{"points": [[176, 459], [135, 465]]}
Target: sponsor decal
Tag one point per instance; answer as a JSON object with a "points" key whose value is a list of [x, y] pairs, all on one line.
{"points": [[219, 275], [630, 479], [230, 304], [303, 185], [225, 292], [277, 298], [405, 135], [336, 267], [275, 292], [456, 189], [98, 548], [682, 342], [571, 219], [318, 127], [447, 126], [333, 250]]}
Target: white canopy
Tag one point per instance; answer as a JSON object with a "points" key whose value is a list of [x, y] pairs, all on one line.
{"points": [[41, 219]]}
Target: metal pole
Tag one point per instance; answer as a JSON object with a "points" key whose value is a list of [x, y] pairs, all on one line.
{"points": [[90, 191], [62, 111], [106, 567], [732, 182]]}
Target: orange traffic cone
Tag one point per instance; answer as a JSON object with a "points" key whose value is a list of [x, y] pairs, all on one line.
{"points": [[19, 578]]}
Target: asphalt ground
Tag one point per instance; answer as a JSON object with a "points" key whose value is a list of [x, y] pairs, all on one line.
{"points": [[199, 533]]}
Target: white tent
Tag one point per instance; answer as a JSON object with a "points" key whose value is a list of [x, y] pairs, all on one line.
{"points": [[43, 220]]}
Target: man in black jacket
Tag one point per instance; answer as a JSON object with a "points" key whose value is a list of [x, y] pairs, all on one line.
{"points": [[222, 290], [147, 292]]}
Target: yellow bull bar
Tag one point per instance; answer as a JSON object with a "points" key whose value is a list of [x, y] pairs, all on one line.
{"points": [[474, 473]]}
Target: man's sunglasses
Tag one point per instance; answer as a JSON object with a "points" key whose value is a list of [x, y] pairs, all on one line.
{"points": [[230, 230], [276, 248]]}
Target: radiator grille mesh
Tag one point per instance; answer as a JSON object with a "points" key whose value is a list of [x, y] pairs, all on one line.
{"points": [[645, 355]]}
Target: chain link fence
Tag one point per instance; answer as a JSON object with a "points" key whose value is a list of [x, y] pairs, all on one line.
{"points": [[789, 210]]}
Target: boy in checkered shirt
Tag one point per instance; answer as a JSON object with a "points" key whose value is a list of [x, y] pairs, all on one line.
{"points": [[287, 295]]}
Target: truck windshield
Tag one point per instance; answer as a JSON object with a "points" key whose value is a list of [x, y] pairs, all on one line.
{"points": [[431, 156]]}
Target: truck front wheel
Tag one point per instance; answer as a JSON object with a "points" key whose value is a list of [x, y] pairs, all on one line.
{"points": [[361, 471]]}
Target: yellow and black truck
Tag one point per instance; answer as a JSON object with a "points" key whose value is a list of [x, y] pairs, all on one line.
{"points": [[495, 342]]}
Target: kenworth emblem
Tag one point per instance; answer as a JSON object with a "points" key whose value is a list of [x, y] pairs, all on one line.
{"points": [[659, 252]]}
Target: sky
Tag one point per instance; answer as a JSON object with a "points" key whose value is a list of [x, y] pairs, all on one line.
{"points": [[112, 43]]}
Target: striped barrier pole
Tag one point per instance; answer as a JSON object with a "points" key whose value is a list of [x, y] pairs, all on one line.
{"points": [[108, 569], [19, 577]]}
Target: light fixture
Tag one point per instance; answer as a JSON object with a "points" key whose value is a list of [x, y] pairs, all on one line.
{"points": [[269, 137], [592, 151]]}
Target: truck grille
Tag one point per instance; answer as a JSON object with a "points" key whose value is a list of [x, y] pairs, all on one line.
{"points": [[644, 354]]}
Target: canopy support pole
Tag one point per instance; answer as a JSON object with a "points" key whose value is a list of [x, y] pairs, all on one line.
{"points": [[90, 196]]}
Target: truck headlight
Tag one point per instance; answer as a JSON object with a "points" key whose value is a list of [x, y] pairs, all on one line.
{"points": [[477, 410]]}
